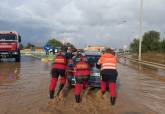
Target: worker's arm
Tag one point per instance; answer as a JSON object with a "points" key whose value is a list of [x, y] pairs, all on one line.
{"points": [[98, 64]]}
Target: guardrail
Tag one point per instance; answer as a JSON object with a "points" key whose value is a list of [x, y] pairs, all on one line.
{"points": [[148, 63]]}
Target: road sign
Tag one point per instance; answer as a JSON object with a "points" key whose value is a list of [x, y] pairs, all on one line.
{"points": [[47, 48]]}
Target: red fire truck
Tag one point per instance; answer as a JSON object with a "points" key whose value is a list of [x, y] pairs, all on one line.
{"points": [[9, 45]]}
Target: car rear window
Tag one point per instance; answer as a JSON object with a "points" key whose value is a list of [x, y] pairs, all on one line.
{"points": [[92, 59]]}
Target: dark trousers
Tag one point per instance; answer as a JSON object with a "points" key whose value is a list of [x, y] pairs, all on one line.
{"points": [[81, 80], [109, 77], [55, 74]]}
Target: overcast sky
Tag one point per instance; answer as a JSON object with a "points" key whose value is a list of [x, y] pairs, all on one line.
{"points": [[112, 23]]}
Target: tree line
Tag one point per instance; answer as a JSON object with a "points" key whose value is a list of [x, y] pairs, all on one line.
{"points": [[151, 42], [53, 43]]}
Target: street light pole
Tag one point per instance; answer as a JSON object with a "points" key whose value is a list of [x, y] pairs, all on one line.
{"points": [[141, 29]]}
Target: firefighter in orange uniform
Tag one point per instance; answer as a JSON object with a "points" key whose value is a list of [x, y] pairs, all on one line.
{"points": [[109, 73], [58, 69], [82, 73]]}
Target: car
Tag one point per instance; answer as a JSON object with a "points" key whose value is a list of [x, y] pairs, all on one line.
{"points": [[70, 75], [94, 78]]}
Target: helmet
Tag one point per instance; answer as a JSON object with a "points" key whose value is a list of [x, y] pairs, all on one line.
{"points": [[109, 50]]}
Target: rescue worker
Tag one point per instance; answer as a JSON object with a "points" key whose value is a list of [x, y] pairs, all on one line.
{"points": [[107, 62], [77, 57], [82, 73], [58, 69], [70, 71], [69, 54]]}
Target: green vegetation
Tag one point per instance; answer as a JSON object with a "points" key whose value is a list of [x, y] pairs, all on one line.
{"points": [[135, 45], [30, 46], [68, 46], [21, 46], [150, 43], [54, 43], [162, 46]]}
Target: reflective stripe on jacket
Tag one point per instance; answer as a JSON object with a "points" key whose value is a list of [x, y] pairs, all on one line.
{"points": [[60, 62], [82, 69], [107, 61]]}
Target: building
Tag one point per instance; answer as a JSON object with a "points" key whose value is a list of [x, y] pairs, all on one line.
{"points": [[94, 48]]}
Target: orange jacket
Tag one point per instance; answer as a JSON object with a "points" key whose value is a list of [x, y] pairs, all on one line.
{"points": [[60, 62], [82, 69], [107, 61]]}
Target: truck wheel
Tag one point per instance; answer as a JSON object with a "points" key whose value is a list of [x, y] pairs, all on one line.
{"points": [[18, 58]]}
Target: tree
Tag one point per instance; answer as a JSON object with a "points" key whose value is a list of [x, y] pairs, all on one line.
{"points": [[150, 41], [135, 45], [162, 46], [21, 46], [68, 46], [30, 46], [54, 43]]}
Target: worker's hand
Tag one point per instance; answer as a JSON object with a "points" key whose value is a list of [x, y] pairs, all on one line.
{"points": [[98, 66]]}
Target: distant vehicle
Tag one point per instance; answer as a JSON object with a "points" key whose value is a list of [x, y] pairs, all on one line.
{"points": [[94, 79], [49, 49], [10, 45]]}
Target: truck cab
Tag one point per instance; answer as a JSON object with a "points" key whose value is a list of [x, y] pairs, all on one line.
{"points": [[10, 45]]}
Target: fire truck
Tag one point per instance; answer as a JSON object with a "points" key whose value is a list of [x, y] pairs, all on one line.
{"points": [[10, 45]]}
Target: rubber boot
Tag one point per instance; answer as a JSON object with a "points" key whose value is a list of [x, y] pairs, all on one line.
{"points": [[77, 97], [113, 99], [103, 86], [106, 86], [51, 94], [60, 88]]}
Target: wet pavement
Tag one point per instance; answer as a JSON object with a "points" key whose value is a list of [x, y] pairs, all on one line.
{"points": [[24, 89], [142, 87]]}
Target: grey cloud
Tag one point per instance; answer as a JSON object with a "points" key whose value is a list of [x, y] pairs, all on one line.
{"points": [[105, 22]]}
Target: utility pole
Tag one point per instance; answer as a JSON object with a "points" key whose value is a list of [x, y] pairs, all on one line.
{"points": [[141, 29]]}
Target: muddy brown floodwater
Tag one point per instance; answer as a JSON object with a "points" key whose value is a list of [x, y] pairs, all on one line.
{"points": [[24, 90]]}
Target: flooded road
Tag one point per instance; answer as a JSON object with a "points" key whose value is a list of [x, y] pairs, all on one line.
{"points": [[24, 89]]}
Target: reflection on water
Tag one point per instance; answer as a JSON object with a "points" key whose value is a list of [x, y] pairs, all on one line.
{"points": [[9, 71], [47, 66], [23, 86]]}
